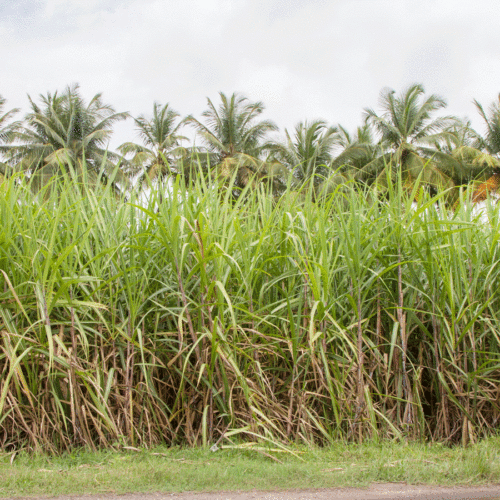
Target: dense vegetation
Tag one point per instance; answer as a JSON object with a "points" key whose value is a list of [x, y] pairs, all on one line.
{"points": [[63, 132], [266, 290]]}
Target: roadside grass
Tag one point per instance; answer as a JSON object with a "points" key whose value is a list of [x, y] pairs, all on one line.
{"points": [[178, 469]]}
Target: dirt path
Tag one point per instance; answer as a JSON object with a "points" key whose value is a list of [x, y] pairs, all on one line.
{"points": [[375, 492]]}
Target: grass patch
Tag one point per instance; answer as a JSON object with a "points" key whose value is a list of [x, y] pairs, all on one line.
{"points": [[198, 469]]}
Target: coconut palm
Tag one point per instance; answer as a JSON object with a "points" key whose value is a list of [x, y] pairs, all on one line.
{"points": [[234, 139], [406, 129], [460, 156], [354, 151], [65, 133], [308, 155], [155, 159], [488, 148], [7, 133], [491, 141], [309, 152]]}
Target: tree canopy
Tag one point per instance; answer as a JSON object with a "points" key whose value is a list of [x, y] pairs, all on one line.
{"points": [[64, 132], [408, 133]]}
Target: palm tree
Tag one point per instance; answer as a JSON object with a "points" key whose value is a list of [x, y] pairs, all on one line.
{"points": [[7, 133], [355, 150], [460, 156], [65, 133], [309, 153], [489, 145], [234, 140], [491, 141], [155, 159], [406, 128]]}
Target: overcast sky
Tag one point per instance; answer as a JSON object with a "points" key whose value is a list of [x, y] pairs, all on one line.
{"points": [[305, 59]]}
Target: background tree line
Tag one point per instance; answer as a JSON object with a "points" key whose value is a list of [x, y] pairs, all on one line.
{"points": [[61, 131]]}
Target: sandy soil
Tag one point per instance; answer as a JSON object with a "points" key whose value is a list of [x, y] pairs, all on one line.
{"points": [[375, 492]]}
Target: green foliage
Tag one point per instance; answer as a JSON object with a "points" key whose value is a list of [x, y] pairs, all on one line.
{"points": [[65, 133], [7, 133], [491, 141], [309, 153], [306, 308], [235, 141], [406, 120], [231, 128], [272, 320], [154, 160], [405, 128]]}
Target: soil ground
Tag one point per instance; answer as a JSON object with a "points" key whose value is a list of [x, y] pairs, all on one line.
{"points": [[393, 491]]}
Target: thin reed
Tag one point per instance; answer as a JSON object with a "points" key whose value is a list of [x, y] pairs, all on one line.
{"points": [[192, 316]]}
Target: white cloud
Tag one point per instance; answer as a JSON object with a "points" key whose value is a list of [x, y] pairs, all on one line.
{"points": [[304, 59], [57, 7]]}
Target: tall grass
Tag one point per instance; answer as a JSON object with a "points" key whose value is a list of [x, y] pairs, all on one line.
{"points": [[192, 317]]}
